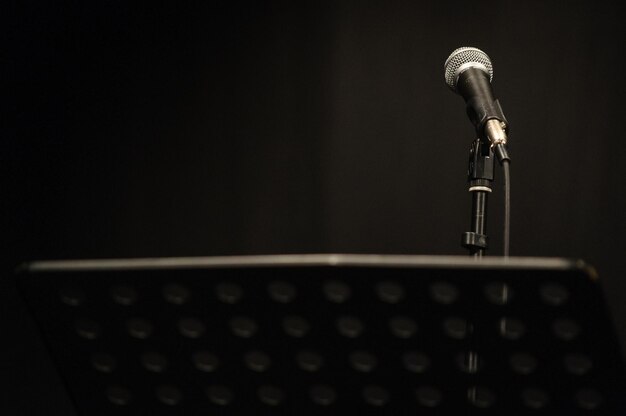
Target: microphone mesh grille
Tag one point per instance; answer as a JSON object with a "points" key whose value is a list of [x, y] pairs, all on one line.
{"points": [[462, 56]]}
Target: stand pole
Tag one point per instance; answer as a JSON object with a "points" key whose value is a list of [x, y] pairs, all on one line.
{"points": [[480, 174]]}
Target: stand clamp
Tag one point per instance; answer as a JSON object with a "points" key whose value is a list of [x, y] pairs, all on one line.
{"points": [[480, 174]]}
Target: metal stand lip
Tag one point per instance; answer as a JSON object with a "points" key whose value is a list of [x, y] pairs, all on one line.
{"points": [[297, 260]]}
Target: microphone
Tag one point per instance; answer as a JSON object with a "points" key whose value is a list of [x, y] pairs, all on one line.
{"points": [[468, 72]]}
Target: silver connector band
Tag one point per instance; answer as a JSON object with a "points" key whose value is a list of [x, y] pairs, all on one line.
{"points": [[479, 189], [495, 132]]}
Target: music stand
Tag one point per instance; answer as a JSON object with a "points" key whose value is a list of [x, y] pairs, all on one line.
{"points": [[328, 334]]}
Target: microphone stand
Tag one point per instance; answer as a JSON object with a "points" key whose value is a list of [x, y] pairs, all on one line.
{"points": [[480, 174]]}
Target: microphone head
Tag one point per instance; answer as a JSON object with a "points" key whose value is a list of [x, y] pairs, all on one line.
{"points": [[462, 59]]}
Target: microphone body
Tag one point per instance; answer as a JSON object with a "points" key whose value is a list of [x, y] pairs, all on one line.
{"points": [[468, 72], [481, 106]]}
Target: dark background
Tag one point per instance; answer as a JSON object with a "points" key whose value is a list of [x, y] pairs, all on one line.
{"points": [[274, 127]]}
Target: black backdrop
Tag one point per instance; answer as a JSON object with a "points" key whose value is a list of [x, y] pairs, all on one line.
{"points": [[275, 127]]}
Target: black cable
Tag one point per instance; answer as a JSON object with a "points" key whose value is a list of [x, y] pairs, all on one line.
{"points": [[507, 205]]}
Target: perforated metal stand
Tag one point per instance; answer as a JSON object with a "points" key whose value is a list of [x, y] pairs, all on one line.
{"points": [[340, 335]]}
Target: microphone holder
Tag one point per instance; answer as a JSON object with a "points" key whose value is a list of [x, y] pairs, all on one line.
{"points": [[480, 175]]}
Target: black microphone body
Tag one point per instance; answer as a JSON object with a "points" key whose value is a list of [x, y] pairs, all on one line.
{"points": [[468, 72], [474, 86]]}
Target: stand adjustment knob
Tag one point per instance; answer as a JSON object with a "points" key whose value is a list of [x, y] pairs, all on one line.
{"points": [[474, 240]]}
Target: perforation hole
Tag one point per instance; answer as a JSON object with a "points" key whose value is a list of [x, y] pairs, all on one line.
{"points": [[282, 292], [154, 361], [428, 396], [416, 362], [322, 395], [168, 394], [511, 328], [191, 327], [87, 328], [566, 329], [257, 361], [296, 326], [103, 362], [219, 394], [205, 361], [469, 362], [363, 361], [375, 395], [444, 293], [309, 360], [577, 364], [123, 295], [139, 328], [229, 292], [498, 293], [481, 397], [523, 363], [457, 328], [390, 292], [72, 296], [271, 395], [402, 326], [554, 294], [589, 399], [176, 294], [118, 395], [535, 398], [336, 291], [350, 326], [243, 327]]}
